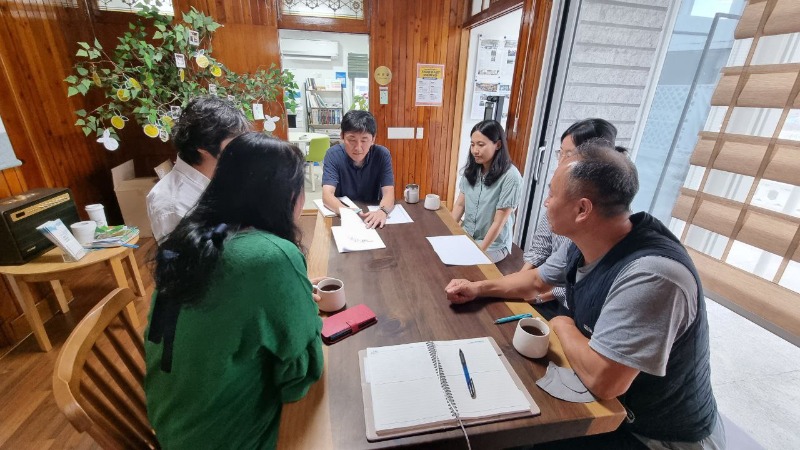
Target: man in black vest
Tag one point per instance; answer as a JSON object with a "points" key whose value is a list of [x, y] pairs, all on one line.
{"points": [[634, 325]]}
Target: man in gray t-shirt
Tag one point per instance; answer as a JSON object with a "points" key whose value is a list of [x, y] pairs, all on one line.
{"points": [[649, 318]]}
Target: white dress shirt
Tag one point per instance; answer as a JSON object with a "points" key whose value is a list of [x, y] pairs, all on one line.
{"points": [[173, 196]]}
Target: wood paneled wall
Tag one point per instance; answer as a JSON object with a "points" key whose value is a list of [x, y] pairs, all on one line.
{"points": [[404, 33], [38, 39]]}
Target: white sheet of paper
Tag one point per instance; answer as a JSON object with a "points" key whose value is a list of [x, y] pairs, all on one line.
{"points": [[458, 250], [353, 235], [398, 215], [327, 212]]}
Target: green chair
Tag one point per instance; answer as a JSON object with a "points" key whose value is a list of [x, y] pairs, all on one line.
{"points": [[317, 147]]}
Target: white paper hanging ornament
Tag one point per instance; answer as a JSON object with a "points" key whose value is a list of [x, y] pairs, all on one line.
{"points": [[269, 123], [108, 142], [258, 111], [163, 135], [212, 89]]}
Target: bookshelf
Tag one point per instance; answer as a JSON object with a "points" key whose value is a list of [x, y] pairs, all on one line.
{"points": [[324, 107]]}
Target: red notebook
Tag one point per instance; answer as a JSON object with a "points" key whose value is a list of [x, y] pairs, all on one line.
{"points": [[347, 323]]}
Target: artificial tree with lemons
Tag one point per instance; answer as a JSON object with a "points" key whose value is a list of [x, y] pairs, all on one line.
{"points": [[157, 67]]}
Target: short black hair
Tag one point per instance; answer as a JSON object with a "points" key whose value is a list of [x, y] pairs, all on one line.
{"points": [[204, 124], [605, 175], [586, 129], [358, 121]]}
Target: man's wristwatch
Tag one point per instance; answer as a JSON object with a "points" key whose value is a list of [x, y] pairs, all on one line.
{"points": [[385, 211]]}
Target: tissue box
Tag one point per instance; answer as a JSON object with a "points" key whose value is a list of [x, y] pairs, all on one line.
{"points": [[131, 195]]}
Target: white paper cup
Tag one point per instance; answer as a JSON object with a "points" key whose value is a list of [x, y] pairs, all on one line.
{"points": [[84, 231], [432, 202], [97, 213], [331, 293], [531, 345]]}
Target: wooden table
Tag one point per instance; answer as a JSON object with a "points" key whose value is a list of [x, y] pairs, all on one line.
{"points": [[51, 268], [404, 285]]}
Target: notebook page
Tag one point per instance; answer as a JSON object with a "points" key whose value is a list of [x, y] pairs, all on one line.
{"points": [[496, 392], [404, 386]]}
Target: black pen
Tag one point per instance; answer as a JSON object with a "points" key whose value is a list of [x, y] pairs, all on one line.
{"points": [[470, 383]]}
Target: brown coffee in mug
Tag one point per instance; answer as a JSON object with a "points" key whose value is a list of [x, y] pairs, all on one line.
{"points": [[532, 330], [329, 288]]}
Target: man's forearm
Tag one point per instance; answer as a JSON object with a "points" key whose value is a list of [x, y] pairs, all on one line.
{"points": [[388, 203], [516, 285]]}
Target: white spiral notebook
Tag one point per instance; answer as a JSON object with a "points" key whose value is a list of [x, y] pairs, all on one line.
{"points": [[417, 388]]}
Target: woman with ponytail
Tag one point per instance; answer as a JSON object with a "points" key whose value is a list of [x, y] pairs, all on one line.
{"points": [[233, 331]]}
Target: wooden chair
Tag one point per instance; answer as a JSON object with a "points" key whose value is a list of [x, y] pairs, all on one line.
{"points": [[99, 376]]}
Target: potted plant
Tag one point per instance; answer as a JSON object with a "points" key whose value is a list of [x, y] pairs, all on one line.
{"points": [[157, 67]]}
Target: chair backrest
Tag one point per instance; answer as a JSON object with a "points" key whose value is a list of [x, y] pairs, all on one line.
{"points": [[99, 376], [317, 148]]}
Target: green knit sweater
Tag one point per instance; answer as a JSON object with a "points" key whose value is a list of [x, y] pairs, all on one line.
{"points": [[252, 344]]}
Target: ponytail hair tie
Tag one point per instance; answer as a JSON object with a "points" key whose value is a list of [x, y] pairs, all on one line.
{"points": [[167, 255], [218, 234]]}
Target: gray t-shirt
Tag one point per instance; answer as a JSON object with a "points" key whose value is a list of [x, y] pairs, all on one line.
{"points": [[651, 303]]}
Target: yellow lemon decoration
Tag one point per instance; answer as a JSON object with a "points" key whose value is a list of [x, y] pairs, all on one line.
{"points": [[151, 130], [96, 79], [123, 95], [134, 84], [202, 61], [168, 121], [216, 71], [182, 74], [118, 122]]}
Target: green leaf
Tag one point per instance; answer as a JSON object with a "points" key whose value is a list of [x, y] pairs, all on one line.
{"points": [[84, 45], [97, 44], [72, 91], [83, 53], [81, 113], [158, 35], [80, 122], [71, 79], [81, 88], [86, 82], [86, 131], [81, 71]]}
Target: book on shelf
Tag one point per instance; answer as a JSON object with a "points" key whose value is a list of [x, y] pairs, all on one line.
{"points": [[59, 234], [421, 387]]}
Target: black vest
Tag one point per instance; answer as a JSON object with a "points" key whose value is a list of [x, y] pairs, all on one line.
{"points": [[680, 405]]}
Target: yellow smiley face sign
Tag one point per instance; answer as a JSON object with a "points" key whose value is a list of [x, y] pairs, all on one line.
{"points": [[167, 120], [216, 71], [123, 95], [202, 61], [151, 130], [118, 122], [383, 75]]}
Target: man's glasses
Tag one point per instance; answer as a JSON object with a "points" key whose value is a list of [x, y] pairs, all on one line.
{"points": [[561, 154]]}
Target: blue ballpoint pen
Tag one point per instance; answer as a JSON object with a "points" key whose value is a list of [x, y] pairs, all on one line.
{"points": [[513, 318], [470, 383]]}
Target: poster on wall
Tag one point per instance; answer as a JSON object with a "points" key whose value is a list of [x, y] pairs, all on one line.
{"points": [[494, 71], [430, 84]]}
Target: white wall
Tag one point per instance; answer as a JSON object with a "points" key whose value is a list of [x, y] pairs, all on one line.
{"points": [[303, 69], [507, 26]]}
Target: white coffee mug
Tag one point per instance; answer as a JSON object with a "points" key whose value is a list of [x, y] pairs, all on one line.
{"points": [[97, 213], [432, 202], [411, 194], [84, 231], [532, 345], [331, 293]]}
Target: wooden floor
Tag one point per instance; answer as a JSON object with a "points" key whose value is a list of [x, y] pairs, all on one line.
{"points": [[29, 417]]}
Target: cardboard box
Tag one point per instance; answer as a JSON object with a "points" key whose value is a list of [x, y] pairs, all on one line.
{"points": [[131, 196]]}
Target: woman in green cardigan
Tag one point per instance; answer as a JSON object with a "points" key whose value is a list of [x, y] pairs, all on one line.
{"points": [[234, 333]]}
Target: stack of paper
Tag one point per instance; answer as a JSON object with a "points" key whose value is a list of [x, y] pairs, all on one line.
{"points": [[458, 250], [353, 235], [398, 215], [327, 212], [116, 236], [57, 232]]}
